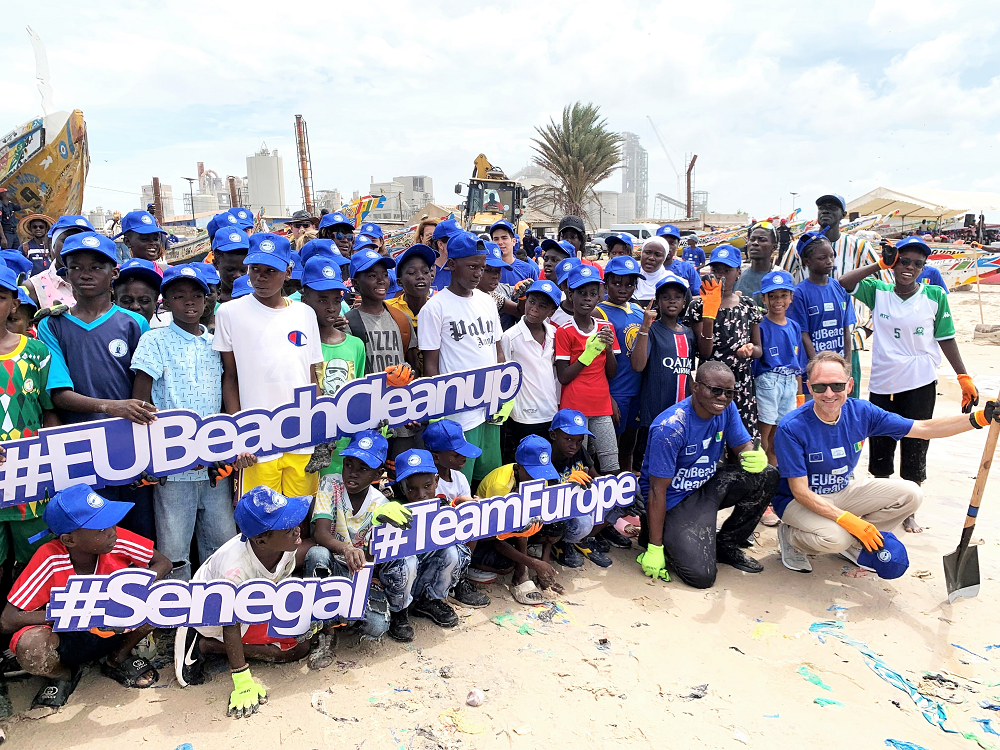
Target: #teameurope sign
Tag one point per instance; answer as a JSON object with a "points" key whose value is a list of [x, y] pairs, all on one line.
{"points": [[116, 451]]}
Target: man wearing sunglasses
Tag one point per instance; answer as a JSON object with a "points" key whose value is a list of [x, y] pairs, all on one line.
{"points": [[686, 485], [818, 446], [340, 229]]}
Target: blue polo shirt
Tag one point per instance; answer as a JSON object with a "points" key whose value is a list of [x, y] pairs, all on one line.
{"points": [[442, 279], [687, 448], [94, 359], [519, 271], [686, 271], [807, 446], [693, 255]]}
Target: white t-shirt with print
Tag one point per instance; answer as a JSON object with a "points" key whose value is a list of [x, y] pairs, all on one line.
{"points": [[457, 487]]}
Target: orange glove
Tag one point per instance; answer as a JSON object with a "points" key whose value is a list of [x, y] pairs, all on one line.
{"points": [[800, 398], [526, 531], [711, 298], [520, 290], [860, 529], [889, 256], [461, 499], [219, 470], [970, 396], [581, 478], [398, 375]]}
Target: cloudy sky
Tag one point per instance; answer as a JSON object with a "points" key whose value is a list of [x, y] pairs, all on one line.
{"points": [[773, 97]]}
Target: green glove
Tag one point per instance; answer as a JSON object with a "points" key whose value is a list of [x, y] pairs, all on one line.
{"points": [[594, 347], [754, 460], [652, 562], [248, 695], [394, 513]]}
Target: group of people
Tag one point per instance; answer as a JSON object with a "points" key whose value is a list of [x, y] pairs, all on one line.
{"points": [[720, 385]]}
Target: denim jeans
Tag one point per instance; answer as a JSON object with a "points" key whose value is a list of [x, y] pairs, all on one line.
{"points": [[577, 529], [188, 509], [320, 563], [397, 578], [439, 570]]}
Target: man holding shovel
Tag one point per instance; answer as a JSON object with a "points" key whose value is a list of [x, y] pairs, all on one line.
{"points": [[818, 446]]}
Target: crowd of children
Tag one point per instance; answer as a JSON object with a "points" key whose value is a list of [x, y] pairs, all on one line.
{"points": [[604, 353]]}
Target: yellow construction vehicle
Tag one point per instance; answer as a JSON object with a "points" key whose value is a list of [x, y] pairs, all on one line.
{"points": [[492, 197]]}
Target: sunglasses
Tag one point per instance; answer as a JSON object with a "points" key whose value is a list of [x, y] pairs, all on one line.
{"points": [[821, 387], [911, 262], [343, 235], [719, 392], [302, 225], [762, 225]]}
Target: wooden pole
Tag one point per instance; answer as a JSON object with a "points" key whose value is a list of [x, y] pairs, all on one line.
{"points": [[157, 202], [234, 200], [979, 289]]}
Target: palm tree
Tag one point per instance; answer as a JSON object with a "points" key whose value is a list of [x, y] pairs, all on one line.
{"points": [[579, 152]]}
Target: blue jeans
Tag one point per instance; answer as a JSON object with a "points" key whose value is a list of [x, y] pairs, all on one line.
{"points": [[320, 563], [187, 509], [438, 571], [775, 396], [397, 578], [578, 529]]}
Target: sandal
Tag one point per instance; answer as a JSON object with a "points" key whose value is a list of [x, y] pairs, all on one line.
{"points": [[127, 673], [526, 593], [55, 692]]}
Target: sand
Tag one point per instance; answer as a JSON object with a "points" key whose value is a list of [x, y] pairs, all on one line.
{"points": [[614, 663]]}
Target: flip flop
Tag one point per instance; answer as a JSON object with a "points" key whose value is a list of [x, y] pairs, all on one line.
{"points": [[127, 673], [527, 593], [54, 693]]}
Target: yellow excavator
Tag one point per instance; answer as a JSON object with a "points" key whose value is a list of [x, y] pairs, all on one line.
{"points": [[492, 197]]}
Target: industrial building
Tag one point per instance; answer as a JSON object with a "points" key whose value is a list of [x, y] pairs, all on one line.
{"points": [[266, 184], [635, 176], [166, 198]]}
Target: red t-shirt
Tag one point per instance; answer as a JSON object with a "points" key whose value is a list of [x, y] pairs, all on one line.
{"points": [[588, 392], [584, 261], [50, 568]]}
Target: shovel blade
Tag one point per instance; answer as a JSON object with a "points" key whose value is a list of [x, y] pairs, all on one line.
{"points": [[961, 573]]}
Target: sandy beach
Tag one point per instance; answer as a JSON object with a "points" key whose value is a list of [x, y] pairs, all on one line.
{"points": [[621, 660]]}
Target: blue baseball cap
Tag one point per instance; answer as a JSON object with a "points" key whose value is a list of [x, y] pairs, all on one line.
{"points": [[322, 273], [445, 230], [230, 239], [322, 247], [417, 251], [835, 199], [369, 446], [262, 509], [547, 288], [140, 222], [141, 269], [209, 273], [362, 242], [465, 245], [269, 249], [623, 265], [16, 261], [807, 239], [296, 266], [563, 267], [534, 454], [365, 259], [727, 255], [570, 421], [336, 219], [79, 507], [394, 286], [221, 221], [241, 287], [70, 221], [582, 275], [189, 271], [623, 237], [672, 278], [914, 243], [494, 257], [244, 217], [8, 280], [776, 280], [889, 562], [447, 435], [563, 246], [414, 461], [372, 230], [92, 241], [22, 295], [503, 224], [668, 230]]}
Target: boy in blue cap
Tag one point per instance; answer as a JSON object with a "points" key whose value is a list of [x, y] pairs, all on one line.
{"points": [[340, 229], [87, 542], [293, 284], [415, 274], [443, 233], [143, 238], [230, 246], [137, 287], [460, 330], [91, 344], [560, 273], [21, 318], [244, 218], [618, 246], [270, 347], [374, 233], [672, 236], [491, 283], [176, 368], [270, 547]]}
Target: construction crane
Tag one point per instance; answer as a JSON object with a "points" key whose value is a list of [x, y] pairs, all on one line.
{"points": [[305, 162]]}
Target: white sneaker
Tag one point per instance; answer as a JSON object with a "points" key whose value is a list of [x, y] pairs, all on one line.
{"points": [[791, 558], [851, 554]]}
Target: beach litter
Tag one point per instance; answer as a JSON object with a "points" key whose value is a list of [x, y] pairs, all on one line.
{"points": [[458, 720], [973, 653], [475, 698], [764, 629], [826, 702], [697, 692], [900, 745], [814, 678], [987, 725]]}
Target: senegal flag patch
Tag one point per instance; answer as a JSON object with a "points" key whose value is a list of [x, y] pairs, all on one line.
{"points": [[858, 446], [718, 436]]}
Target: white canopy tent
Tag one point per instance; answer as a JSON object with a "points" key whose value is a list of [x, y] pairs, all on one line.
{"points": [[923, 203]]}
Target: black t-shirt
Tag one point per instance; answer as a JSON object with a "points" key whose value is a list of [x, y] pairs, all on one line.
{"points": [[581, 460]]}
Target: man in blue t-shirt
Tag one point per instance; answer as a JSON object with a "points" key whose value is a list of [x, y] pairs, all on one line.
{"points": [[685, 485], [673, 263], [818, 446], [692, 253]]}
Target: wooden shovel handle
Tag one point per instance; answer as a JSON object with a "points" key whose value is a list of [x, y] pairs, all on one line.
{"points": [[983, 474]]}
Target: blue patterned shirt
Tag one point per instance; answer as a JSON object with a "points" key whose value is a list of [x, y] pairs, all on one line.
{"points": [[186, 373]]}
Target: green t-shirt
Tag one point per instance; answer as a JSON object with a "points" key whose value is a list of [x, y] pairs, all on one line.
{"points": [[341, 364]]}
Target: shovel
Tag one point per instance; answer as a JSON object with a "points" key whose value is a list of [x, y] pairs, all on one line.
{"points": [[961, 567]]}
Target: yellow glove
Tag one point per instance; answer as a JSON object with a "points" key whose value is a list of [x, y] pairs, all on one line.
{"points": [[861, 530], [594, 347], [754, 460], [247, 696], [653, 563], [392, 513]]}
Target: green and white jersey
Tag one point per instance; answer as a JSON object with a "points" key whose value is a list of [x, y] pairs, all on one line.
{"points": [[906, 353]]}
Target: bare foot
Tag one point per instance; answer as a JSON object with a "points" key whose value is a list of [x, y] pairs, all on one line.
{"points": [[911, 525]]}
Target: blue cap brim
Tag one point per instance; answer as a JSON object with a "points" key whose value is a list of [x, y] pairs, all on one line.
{"points": [[387, 262], [468, 450], [150, 277], [776, 287], [266, 259], [494, 263], [295, 512], [97, 250], [574, 430], [110, 514], [200, 282], [326, 285], [371, 460], [541, 471], [231, 247]]}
